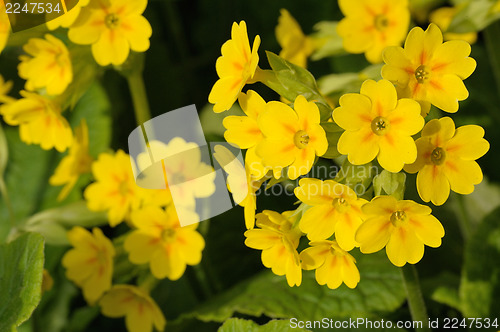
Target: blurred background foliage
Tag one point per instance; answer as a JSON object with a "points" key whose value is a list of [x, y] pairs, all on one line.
{"points": [[459, 279]]}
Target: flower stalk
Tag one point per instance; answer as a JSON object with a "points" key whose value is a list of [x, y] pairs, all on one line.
{"points": [[415, 299]]}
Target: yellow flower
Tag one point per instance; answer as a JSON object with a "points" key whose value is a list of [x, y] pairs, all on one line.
{"points": [[39, 120], [4, 27], [235, 67], [335, 208], [429, 70], [292, 137], [161, 241], [370, 26], [333, 265], [378, 125], [296, 47], [446, 160], [403, 227], [115, 189], [69, 18], [140, 310], [442, 17], [5, 87], [278, 242], [47, 65], [76, 163], [90, 263], [113, 28]]}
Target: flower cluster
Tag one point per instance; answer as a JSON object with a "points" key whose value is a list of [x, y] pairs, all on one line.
{"points": [[380, 123]]}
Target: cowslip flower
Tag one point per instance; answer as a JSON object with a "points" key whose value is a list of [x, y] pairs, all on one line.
{"points": [[278, 241], [235, 67], [402, 227], [160, 241], [113, 28], [370, 26], [90, 263], [76, 163], [335, 208], [292, 137], [39, 120], [446, 159], [442, 17], [115, 190], [333, 265], [140, 310], [67, 20], [4, 27], [428, 70], [377, 124], [47, 65], [295, 46], [5, 87]]}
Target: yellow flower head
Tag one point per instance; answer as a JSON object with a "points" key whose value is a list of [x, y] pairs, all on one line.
{"points": [[378, 125], [335, 208], [39, 120], [4, 27], [296, 47], [333, 265], [90, 263], [370, 26], [67, 20], [5, 87], [113, 28], [429, 70], [292, 137], [403, 227], [235, 67], [76, 163], [47, 65], [140, 310], [446, 159], [442, 17], [278, 242], [115, 189], [161, 241]]}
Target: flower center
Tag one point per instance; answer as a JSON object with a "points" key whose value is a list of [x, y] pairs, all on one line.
{"points": [[422, 74], [398, 218], [123, 188], [112, 21], [340, 204], [301, 139], [380, 125], [168, 235], [438, 156], [381, 22]]}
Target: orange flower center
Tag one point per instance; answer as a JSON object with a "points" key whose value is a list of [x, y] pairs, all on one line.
{"points": [[398, 218], [380, 125], [422, 74], [438, 156], [381, 22], [112, 21], [301, 139], [340, 204]]}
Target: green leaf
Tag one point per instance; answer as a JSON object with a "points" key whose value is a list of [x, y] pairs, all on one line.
{"points": [[358, 177], [333, 133], [21, 269], [480, 285], [387, 183], [348, 82], [327, 37], [238, 325], [291, 80], [473, 16], [379, 292]]}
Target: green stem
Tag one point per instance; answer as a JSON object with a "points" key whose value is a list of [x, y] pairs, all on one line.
{"points": [[463, 219], [139, 97], [415, 298], [4, 193]]}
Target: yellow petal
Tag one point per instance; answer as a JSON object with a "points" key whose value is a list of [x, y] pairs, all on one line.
{"points": [[445, 92], [380, 205], [242, 131], [360, 146], [462, 175], [319, 222], [441, 130], [252, 104], [277, 153], [313, 192], [278, 121], [404, 246], [346, 228], [406, 118], [350, 273], [452, 57], [313, 257], [396, 151], [420, 46], [432, 185], [412, 208], [468, 143], [428, 229], [111, 48], [191, 244], [138, 320], [382, 94], [424, 149], [141, 247], [262, 238], [304, 160], [137, 30], [373, 234], [225, 92], [354, 112]]}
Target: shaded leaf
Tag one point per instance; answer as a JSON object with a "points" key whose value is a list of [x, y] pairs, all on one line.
{"points": [[238, 325]]}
